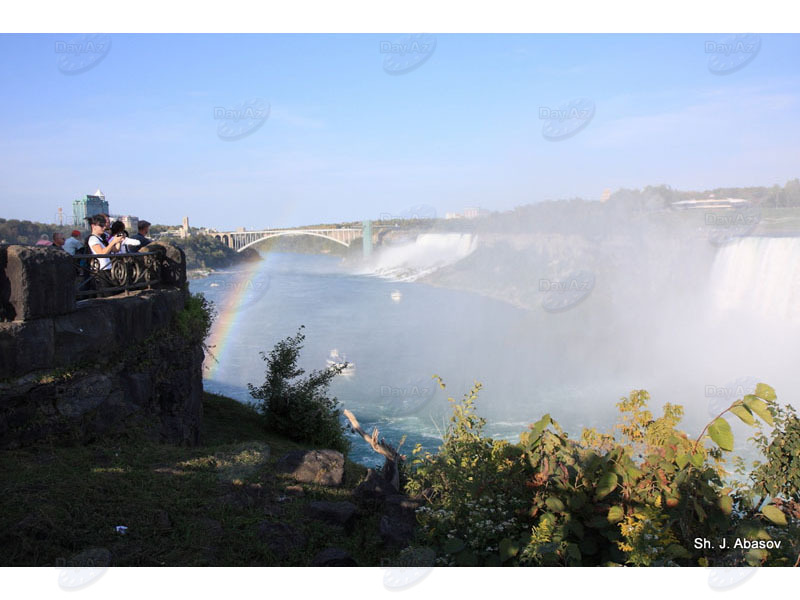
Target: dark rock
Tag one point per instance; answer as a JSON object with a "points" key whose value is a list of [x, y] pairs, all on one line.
{"points": [[113, 413], [325, 467], [7, 311], [281, 539], [399, 520], [26, 346], [333, 557], [40, 282], [132, 317], [138, 388], [84, 334], [336, 513], [83, 395], [373, 488], [69, 378]]}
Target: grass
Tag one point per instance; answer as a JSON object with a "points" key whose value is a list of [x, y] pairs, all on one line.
{"points": [[182, 506]]}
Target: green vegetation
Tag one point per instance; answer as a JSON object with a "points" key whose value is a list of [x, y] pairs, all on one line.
{"points": [[639, 495], [207, 252], [298, 407], [14, 231], [183, 506], [194, 322]]}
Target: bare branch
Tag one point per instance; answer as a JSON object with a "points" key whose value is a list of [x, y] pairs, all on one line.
{"points": [[391, 455], [381, 447]]}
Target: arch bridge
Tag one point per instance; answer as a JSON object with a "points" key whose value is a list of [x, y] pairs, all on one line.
{"points": [[239, 240]]}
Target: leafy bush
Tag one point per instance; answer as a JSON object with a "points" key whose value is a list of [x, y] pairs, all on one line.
{"points": [[640, 495], [300, 407], [195, 320]]}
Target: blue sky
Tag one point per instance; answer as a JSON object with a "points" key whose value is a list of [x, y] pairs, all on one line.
{"points": [[345, 140]]}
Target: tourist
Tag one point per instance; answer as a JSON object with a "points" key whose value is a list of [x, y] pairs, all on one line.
{"points": [[106, 226], [58, 240], [74, 242], [129, 244], [141, 236], [98, 246], [44, 240]]}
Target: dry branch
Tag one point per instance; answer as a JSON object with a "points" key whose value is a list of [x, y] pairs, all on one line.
{"points": [[391, 473]]}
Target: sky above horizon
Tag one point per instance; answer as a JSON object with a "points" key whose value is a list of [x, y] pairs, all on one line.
{"points": [[287, 130]]}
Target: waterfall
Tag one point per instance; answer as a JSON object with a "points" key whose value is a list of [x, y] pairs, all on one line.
{"points": [[428, 253], [759, 276]]}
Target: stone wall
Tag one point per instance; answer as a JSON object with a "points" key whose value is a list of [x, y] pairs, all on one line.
{"points": [[71, 371]]}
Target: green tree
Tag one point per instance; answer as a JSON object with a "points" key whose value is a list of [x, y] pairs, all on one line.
{"points": [[299, 407]]}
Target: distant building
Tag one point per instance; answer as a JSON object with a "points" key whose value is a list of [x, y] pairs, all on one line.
{"points": [[185, 232], [453, 215], [474, 212], [708, 203], [88, 206]]}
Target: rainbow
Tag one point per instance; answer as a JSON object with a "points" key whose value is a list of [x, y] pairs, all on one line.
{"points": [[244, 284]]}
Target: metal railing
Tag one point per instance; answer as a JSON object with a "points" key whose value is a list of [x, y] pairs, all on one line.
{"points": [[127, 272]]}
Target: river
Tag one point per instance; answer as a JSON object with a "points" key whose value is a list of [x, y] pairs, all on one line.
{"points": [[574, 365]]}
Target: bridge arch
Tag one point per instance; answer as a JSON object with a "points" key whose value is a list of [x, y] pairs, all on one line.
{"points": [[293, 233]]}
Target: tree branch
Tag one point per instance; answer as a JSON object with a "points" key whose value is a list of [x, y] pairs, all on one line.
{"points": [[391, 455]]}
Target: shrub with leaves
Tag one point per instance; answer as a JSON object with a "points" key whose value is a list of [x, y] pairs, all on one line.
{"points": [[195, 320], [640, 495], [299, 407]]}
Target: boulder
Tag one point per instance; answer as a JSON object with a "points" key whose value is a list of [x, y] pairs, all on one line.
{"points": [[325, 467], [333, 557]]}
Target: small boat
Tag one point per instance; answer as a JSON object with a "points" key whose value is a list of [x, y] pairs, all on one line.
{"points": [[340, 360], [214, 285], [396, 296]]}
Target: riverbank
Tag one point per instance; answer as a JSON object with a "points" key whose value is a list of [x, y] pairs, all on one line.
{"points": [[131, 502]]}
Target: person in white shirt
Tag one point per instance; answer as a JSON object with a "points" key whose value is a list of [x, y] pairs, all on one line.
{"points": [[74, 242], [128, 244], [99, 247]]}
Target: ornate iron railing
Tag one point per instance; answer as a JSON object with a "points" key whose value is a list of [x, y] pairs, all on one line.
{"points": [[128, 272]]}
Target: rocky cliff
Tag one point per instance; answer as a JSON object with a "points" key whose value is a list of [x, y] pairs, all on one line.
{"points": [[73, 370]]}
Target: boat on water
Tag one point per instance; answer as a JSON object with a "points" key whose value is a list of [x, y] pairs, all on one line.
{"points": [[335, 359], [397, 296]]}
